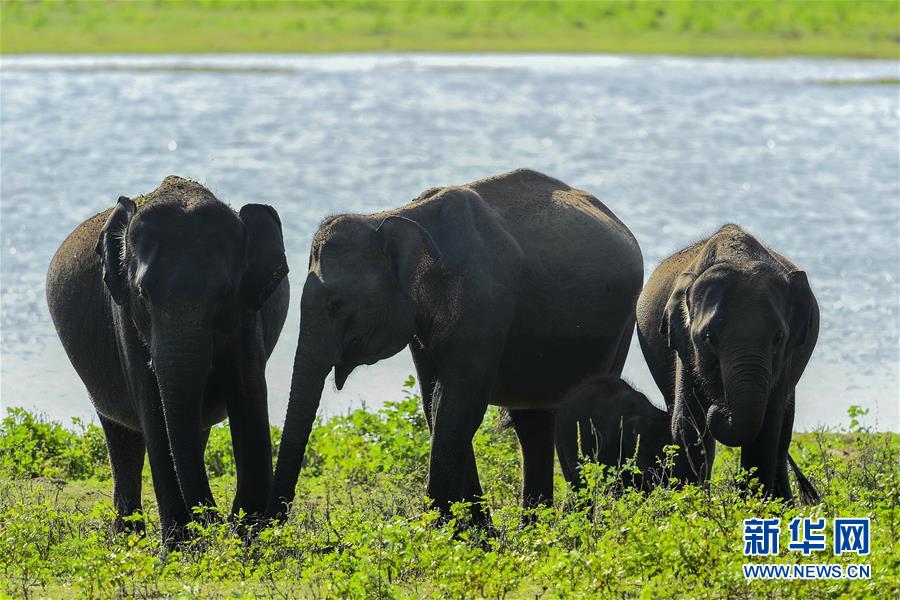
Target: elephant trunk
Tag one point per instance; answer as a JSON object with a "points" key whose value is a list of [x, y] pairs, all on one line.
{"points": [[746, 378], [181, 359], [307, 382]]}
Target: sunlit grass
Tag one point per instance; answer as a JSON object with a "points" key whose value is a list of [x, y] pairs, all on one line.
{"points": [[360, 527], [742, 27]]}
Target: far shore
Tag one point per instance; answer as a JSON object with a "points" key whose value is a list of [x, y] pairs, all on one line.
{"points": [[742, 28]]}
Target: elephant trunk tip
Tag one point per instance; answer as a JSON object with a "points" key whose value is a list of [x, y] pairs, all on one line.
{"points": [[721, 424], [341, 373]]}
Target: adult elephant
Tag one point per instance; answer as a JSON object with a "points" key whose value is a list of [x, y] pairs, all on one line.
{"points": [[507, 291], [727, 326], [169, 309]]}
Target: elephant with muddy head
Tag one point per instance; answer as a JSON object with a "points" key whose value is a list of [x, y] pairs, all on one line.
{"points": [[507, 291], [727, 327], [168, 308]]}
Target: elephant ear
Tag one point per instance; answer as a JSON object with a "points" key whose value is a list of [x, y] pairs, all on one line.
{"points": [[411, 249], [265, 264], [801, 308], [110, 247], [673, 324]]}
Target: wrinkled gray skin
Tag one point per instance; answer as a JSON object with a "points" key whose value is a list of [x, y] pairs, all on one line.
{"points": [[169, 314], [727, 327], [508, 291], [606, 421]]}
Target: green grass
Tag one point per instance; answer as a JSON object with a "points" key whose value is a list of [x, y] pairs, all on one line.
{"points": [[741, 27], [359, 527]]}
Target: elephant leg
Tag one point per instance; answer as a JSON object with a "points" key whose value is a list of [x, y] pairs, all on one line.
{"points": [[126, 457], [173, 512], [568, 450], [472, 491], [426, 373], [459, 407], [535, 431], [144, 390], [782, 478], [471, 484], [762, 454], [248, 419], [572, 445]]}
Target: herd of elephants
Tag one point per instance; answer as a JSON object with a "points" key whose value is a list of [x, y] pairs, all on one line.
{"points": [[515, 290]]}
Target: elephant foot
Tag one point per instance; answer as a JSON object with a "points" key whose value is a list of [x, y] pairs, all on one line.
{"points": [[129, 524], [478, 534], [176, 536], [179, 535], [530, 515], [481, 516], [247, 527], [469, 521], [483, 538]]}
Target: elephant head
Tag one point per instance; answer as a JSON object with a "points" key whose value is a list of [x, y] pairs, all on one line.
{"points": [[184, 268], [358, 307], [735, 327]]}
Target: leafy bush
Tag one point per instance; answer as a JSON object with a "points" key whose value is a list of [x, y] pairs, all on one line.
{"points": [[359, 527], [32, 446]]}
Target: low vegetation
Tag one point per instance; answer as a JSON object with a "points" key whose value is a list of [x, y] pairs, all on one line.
{"points": [[739, 27], [360, 528]]}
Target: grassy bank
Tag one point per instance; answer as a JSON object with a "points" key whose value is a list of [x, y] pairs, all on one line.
{"points": [[359, 528], [741, 27]]}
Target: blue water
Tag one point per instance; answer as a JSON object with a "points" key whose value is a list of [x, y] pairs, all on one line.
{"points": [[675, 146]]}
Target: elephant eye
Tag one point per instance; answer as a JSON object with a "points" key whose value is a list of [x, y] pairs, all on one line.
{"points": [[779, 335], [711, 338], [334, 307]]}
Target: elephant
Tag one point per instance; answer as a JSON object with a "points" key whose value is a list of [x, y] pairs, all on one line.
{"points": [[727, 327], [507, 291], [605, 420], [168, 308]]}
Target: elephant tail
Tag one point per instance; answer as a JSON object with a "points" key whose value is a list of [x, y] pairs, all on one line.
{"points": [[808, 492]]}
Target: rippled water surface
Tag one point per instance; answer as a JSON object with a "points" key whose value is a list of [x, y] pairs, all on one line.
{"points": [[675, 147]]}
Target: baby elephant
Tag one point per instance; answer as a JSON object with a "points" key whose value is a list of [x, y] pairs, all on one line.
{"points": [[169, 308], [605, 420]]}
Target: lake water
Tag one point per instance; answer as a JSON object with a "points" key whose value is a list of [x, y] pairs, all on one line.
{"points": [[675, 146]]}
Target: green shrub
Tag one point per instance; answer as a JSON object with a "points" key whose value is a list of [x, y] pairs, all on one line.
{"points": [[360, 528], [32, 446]]}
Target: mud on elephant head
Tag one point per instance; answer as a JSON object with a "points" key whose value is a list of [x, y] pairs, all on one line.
{"points": [[142, 251]]}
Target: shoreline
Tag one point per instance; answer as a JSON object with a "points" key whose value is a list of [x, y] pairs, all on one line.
{"points": [[713, 52]]}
